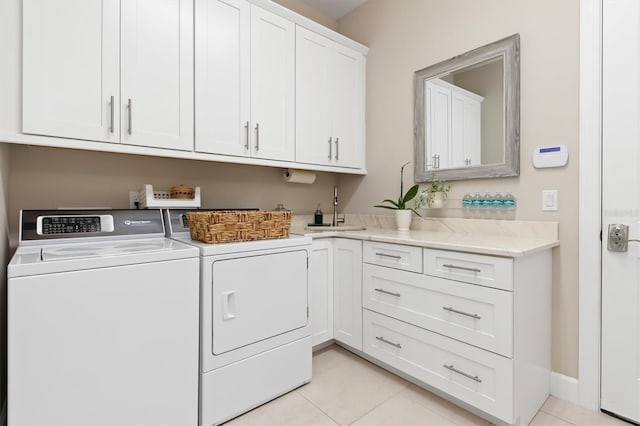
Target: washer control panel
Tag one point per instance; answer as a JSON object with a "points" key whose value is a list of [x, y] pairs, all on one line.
{"points": [[69, 225]]}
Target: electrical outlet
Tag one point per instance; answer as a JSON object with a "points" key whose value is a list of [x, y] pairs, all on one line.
{"points": [[134, 197]]}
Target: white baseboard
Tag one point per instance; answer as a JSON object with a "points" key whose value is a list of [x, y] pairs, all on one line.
{"points": [[564, 387]]}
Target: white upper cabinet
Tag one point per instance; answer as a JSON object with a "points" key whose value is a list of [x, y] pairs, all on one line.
{"points": [[245, 81], [71, 68], [156, 106], [329, 102], [109, 71], [240, 81], [272, 85], [222, 44]]}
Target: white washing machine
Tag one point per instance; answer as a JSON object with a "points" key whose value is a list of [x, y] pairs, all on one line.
{"points": [[255, 338], [103, 318]]}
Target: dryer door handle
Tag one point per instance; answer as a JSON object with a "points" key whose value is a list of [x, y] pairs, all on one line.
{"points": [[228, 305]]}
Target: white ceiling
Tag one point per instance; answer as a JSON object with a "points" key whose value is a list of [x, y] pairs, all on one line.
{"points": [[335, 8]]}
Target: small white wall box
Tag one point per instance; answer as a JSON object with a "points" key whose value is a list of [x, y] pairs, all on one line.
{"points": [[550, 156]]}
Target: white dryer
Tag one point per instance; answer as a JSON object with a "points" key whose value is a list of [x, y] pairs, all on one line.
{"points": [[102, 321], [255, 338]]}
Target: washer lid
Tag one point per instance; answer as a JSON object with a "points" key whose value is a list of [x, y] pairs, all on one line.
{"points": [[50, 258], [80, 250]]}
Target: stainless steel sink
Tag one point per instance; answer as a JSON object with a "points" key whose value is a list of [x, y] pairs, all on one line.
{"points": [[321, 228]]}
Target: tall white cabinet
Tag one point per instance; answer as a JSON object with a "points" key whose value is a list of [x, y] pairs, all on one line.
{"points": [[109, 71], [455, 122], [245, 79], [329, 101]]}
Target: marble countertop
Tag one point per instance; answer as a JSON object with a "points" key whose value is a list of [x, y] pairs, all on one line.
{"points": [[491, 238]]}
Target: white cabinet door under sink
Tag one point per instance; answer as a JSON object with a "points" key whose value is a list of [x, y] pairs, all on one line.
{"points": [[321, 288], [157, 74], [272, 86], [347, 293], [71, 69], [222, 99]]}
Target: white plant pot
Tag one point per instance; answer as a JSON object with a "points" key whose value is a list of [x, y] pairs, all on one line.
{"points": [[437, 200], [403, 219]]}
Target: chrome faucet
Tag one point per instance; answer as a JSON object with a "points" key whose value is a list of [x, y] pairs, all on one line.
{"points": [[336, 219]]}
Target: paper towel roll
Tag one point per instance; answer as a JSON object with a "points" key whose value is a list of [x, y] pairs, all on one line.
{"points": [[298, 176]]}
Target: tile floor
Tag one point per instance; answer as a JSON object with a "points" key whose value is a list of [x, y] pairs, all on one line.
{"points": [[348, 390]]}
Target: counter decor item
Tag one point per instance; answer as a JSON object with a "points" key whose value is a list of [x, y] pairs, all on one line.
{"points": [[403, 213], [180, 196], [239, 225], [435, 194]]}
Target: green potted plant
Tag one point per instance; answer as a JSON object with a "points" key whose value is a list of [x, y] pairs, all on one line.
{"points": [[403, 212], [433, 195]]}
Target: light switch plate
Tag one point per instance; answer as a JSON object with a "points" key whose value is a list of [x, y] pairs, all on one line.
{"points": [[550, 200]]}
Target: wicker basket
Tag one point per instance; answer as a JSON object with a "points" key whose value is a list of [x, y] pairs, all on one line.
{"points": [[238, 225], [182, 192]]}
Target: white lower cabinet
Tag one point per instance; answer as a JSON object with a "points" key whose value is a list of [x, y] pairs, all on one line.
{"points": [[474, 327], [477, 377], [321, 289], [347, 292]]}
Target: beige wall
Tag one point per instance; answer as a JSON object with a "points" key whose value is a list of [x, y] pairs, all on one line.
{"points": [[304, 9], [408, 35], [52, 177]]}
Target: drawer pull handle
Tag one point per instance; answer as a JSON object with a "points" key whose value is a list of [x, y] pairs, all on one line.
{"points": [[463, 268], [450, 309], [381, 290], [394, 256], [462, 373], [382, 339]]}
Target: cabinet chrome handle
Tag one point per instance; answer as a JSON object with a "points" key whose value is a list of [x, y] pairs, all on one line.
{"points": [[330, 147], [382, 339], [257, 137], [337, 148], [246, 143], [463, 268], [393, 256], [129, 117], [462, 373], [381, 290], [111, 107], [450, 309]]}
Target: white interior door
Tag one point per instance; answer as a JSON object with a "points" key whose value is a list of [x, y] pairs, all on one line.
{"points": [[620, 381]]}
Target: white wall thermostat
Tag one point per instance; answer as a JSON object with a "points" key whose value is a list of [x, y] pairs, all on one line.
{"points": [[550, 156]]}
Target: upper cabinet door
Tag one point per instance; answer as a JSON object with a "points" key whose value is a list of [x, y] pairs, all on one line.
{"points": [[71, 68], [348, 107], [157, 73], [314, 140], [222, 76], [272, 86]]}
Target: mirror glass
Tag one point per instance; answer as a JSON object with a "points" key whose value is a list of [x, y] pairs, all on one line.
{"points": [[467, 115]]}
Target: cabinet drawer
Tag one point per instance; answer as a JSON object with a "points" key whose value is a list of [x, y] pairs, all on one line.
{"points": [[489, 271], [477, 377], [396, 256], [476, 315]]}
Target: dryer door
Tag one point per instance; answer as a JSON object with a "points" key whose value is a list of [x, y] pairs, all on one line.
{"points": [[257, 297]]}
